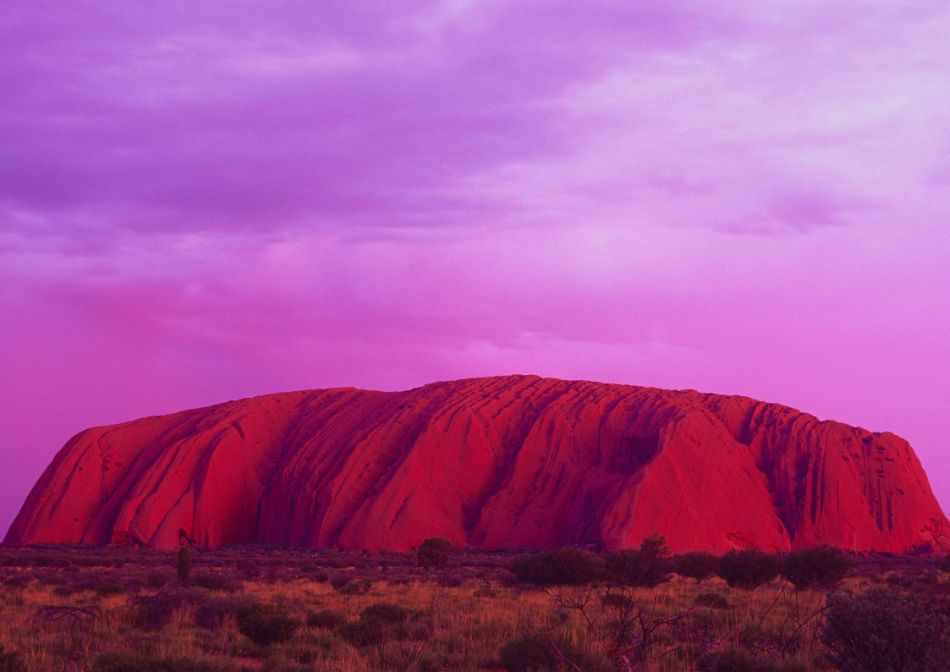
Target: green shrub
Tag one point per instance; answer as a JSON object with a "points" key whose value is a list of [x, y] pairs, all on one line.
{"points": [[363, 633], [823, 567], [384, 622], [529, 653], [885, 631], [748, 569], [346, 586], [326, 619], [646, 566], [698, 565], [10, 661], [387, 614], [544, 653], [155, 611], [265, 625], [212, 613], [434, 553], [560, 567], [216, 582]]}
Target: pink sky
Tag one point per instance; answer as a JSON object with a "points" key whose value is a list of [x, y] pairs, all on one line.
{"points": [[200, 202]]}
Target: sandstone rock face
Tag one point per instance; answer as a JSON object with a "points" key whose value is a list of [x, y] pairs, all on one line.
{"points": [[509, 462]]}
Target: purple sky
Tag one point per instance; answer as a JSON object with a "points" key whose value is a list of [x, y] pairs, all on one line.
{"points": [[204, 201]]}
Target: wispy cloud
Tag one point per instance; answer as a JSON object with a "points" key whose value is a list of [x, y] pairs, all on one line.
{"points": [[204, 201]]}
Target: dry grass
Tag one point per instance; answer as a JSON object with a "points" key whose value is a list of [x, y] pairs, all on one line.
{"points": [[455, 627]]}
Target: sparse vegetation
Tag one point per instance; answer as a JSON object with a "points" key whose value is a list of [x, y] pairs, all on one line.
{"points": [[748, 569], [326, 619], [886, 631], [560, 567], [434, 553], [265, 624], [542, 652], [699, 566], [562, 610], [646, 567], [10, 661], [815, 567]]}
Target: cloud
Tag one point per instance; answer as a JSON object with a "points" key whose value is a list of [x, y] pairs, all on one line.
{"points": [[205, 201]]}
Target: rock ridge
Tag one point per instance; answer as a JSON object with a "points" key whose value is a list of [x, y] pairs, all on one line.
{"points": [[494, 463]]}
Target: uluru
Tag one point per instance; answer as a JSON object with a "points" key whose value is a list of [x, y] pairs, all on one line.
{"points": [[491, 463]]}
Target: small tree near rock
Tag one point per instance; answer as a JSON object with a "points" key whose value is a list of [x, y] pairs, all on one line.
{"points": [[748, 569], [698, 565], [823, 567], [184, 564], [559, 567], [434, 553], [647, 566]]}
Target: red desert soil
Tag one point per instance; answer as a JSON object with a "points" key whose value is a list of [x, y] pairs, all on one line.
{"points": [[494, 463]]}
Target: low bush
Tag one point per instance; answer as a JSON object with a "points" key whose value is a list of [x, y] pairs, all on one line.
{"points": [[10, 661], [945, 565], [212, 613], [384, 622], [698, 565], [748, 569], [823, 567], [647, 566], [885, 631], [326, 619], [155, 611], [363, 633], [352, 586], [265, 625], [434, 553], [387, 614], [544, 653], [528, 653], [560, 567], [216, 582]]}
